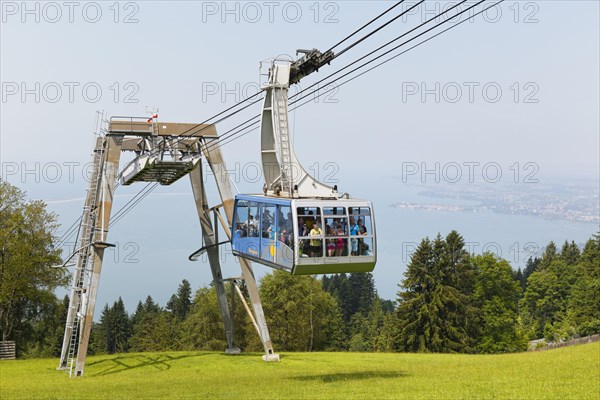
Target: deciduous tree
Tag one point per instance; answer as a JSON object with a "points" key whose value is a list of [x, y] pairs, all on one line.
{"points": [[497, 294], [300, 314], [28, 275]]}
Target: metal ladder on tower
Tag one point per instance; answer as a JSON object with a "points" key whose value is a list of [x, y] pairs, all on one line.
{"points": [[285, 147], [81, 282]]}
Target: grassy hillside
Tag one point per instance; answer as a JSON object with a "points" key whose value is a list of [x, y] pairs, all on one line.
{"points": [[567, 373]]}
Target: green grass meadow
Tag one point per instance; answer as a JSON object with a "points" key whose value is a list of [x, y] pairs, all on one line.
{"points": [[567, 373]]}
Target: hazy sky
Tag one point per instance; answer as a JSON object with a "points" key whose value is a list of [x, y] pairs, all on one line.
{"points": [[518, 86]]}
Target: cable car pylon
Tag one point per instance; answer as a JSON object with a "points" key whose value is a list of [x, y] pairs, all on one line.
{"points": [[165, 153]]}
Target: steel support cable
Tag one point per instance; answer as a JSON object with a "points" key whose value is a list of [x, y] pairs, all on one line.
{"points": [[376, 30], [340, 42], [71, 230], [377, 49], [192, 129], [135, 200], [399, 54], [116, 214], [365, 25], [389, 51], [68, 233], [77, 221], [224, 136], [123, 212], [231, 138], [139, 200], [370, 61], [78, 233], [201, 129], [65, 241], [364, 72], [132, 206], [229, 135]]}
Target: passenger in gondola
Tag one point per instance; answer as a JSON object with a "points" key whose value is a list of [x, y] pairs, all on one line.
{"points": [[267, 218], [270, 232], [310, 220], [316, 244], [354, 231], [303, 244], [362, 230], [335, 224], [289, 228], [252, 225], [266, 225], [330, 242], [240, 231], [340, 244], [301, 225], [282, 235]]}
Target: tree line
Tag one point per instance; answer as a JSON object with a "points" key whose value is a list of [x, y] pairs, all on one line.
{"points": [[451, 301], [448, 301]]}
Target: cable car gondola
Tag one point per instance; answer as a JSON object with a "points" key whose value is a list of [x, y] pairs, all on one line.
{"points": [[305, 236], [299, 225]]}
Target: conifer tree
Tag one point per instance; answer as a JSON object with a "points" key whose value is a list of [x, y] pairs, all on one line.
{"points": [[433, 308], [570, 253], [180, 302], [121, 328], [115, 327], [339, 287], [584, 303], [530, 267], [550, 254], [154, 328]]}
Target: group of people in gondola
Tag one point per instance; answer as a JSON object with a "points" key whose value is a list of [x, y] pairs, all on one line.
{"points": [[310, 232], [252, 228], [335, 236]]}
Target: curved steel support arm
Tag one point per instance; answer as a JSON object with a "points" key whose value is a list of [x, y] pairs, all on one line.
{"points": [[284, 175]]}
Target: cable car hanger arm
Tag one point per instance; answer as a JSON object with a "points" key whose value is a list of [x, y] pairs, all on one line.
{"points": [[284, 175], [309, 63]]}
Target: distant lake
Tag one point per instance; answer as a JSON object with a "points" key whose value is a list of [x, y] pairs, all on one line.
{"points": [[513, 237]]}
